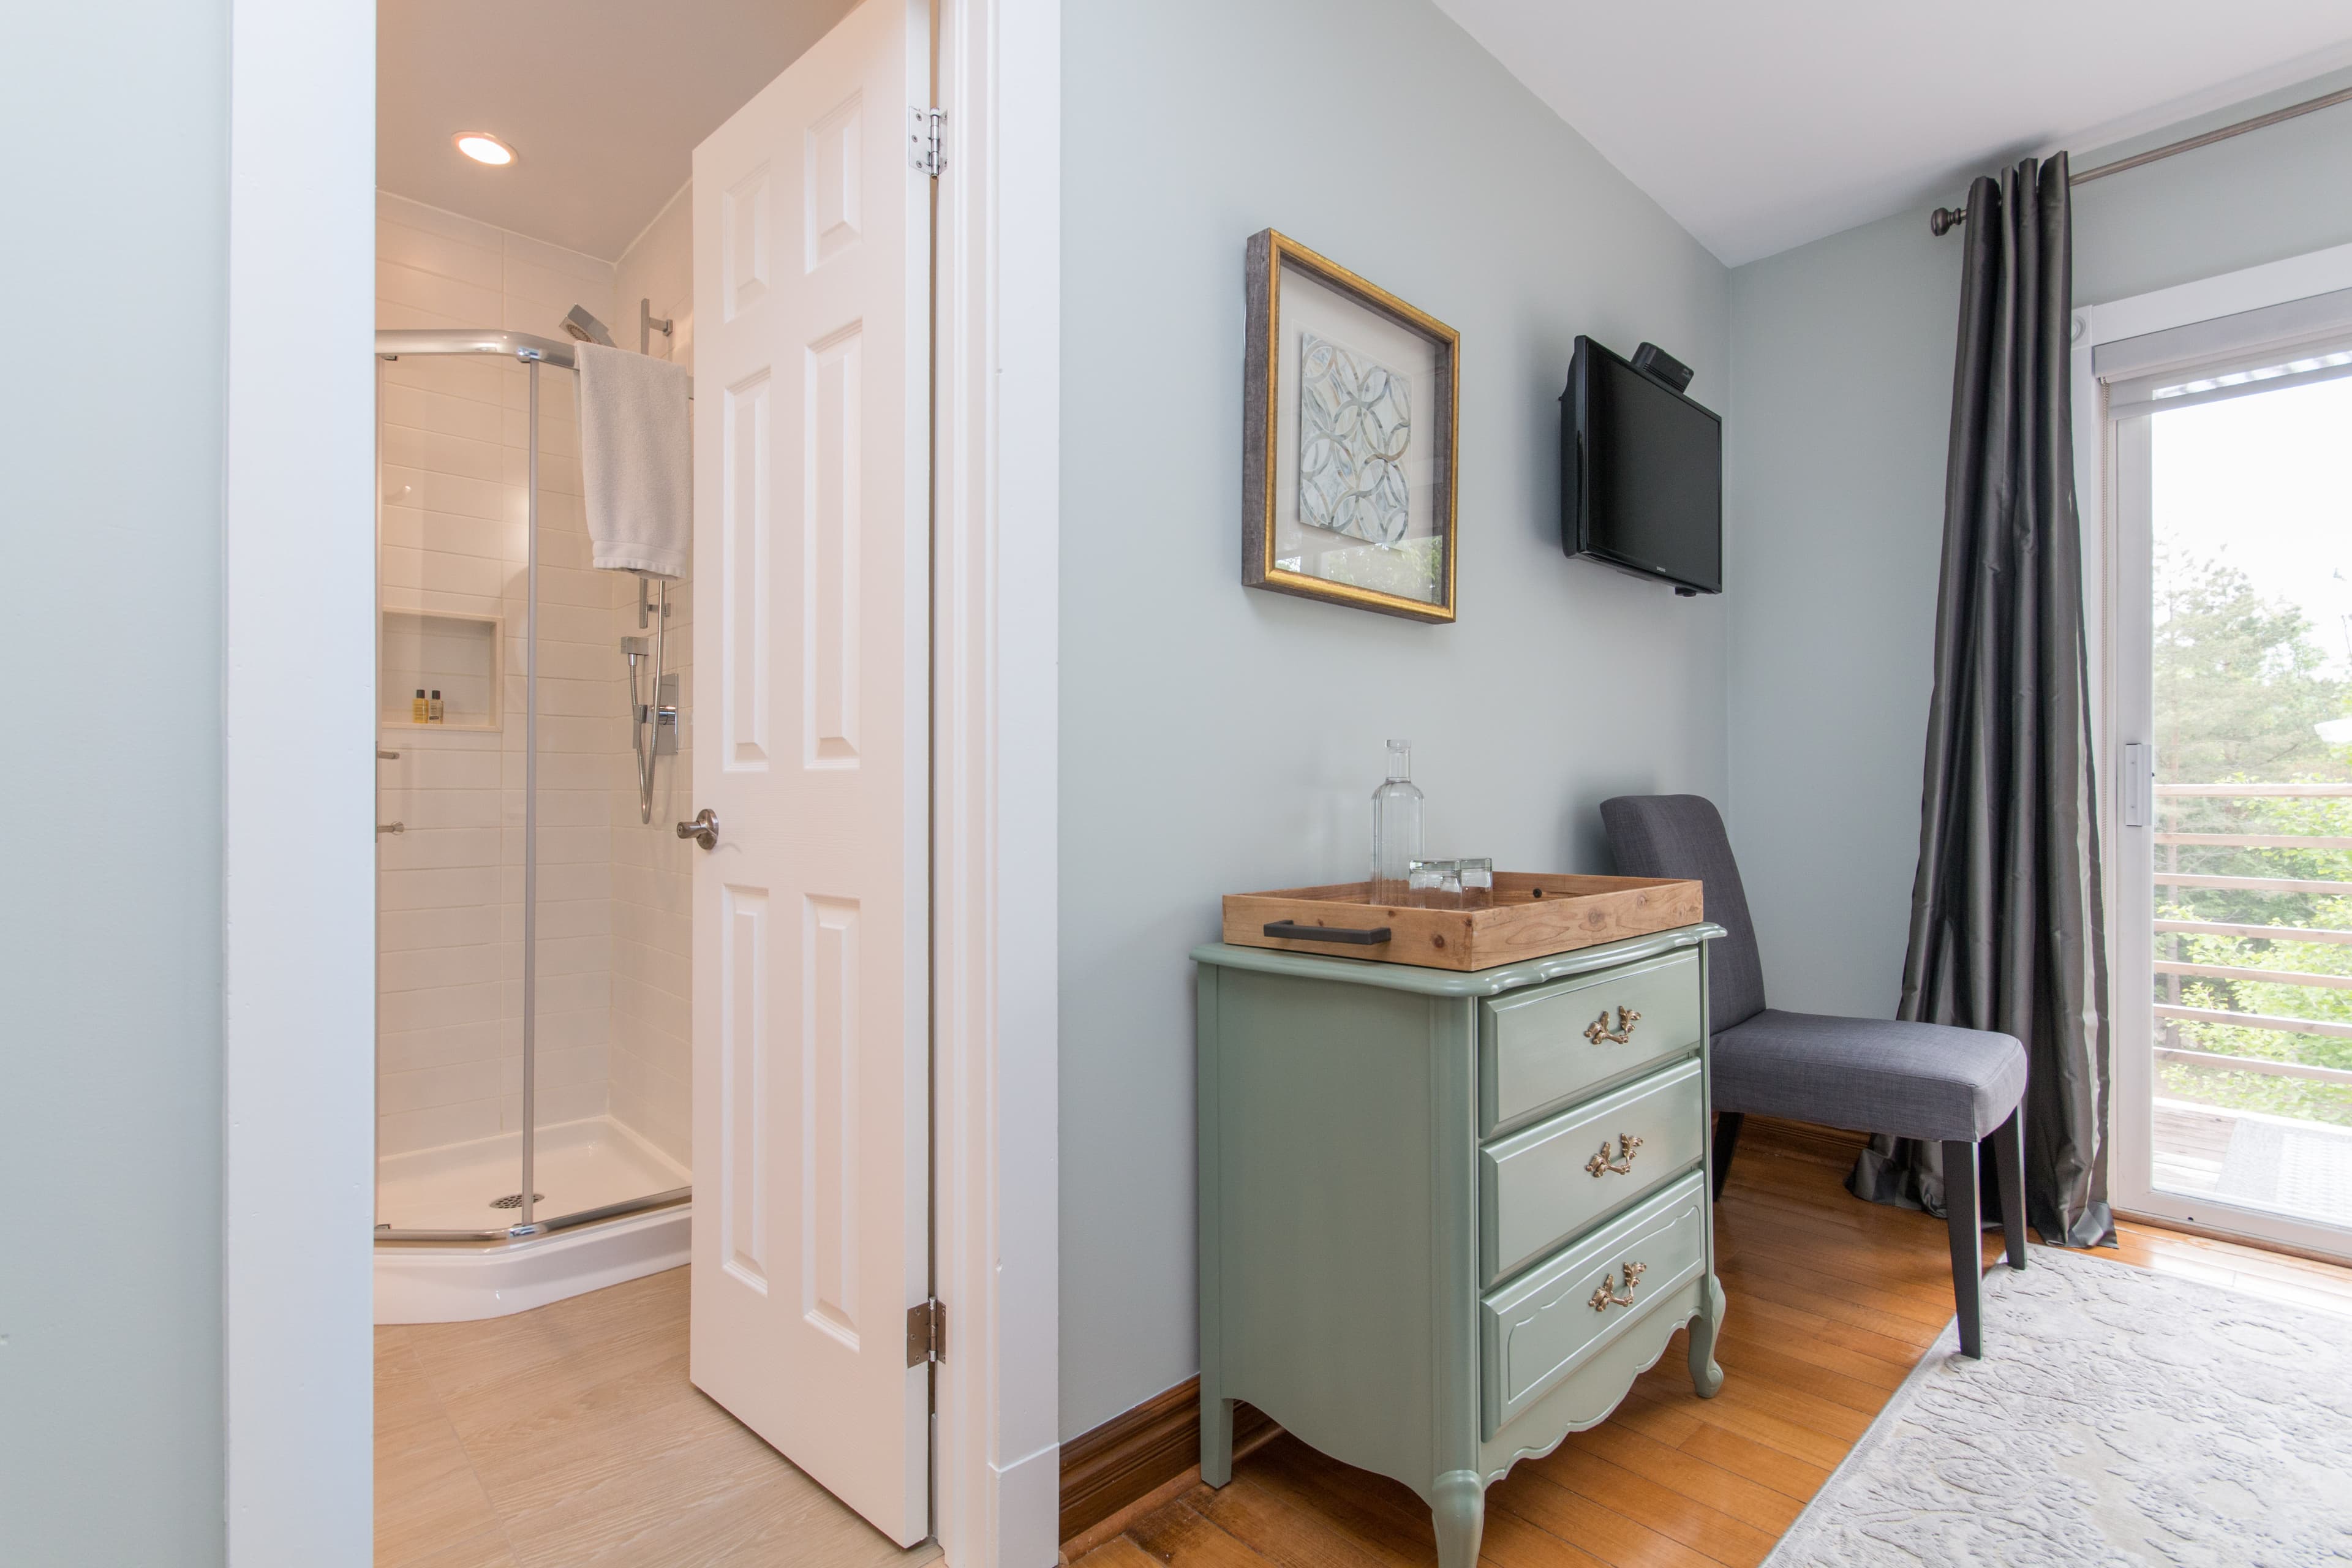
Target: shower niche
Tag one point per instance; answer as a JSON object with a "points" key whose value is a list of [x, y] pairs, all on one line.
{"points": [[461, 657]]}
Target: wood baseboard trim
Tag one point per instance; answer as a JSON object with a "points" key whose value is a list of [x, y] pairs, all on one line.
{"points": [[1131, 1458], [1799, 1140], [1159, 1497]]}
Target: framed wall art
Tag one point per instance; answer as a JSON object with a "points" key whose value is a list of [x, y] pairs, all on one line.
{"points": [[1349, 403]]}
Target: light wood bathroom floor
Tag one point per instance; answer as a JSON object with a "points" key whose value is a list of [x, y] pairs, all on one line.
{"points": [[571, 1435]]}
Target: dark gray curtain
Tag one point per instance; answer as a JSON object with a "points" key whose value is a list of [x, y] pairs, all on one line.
{"points": [[2007, 929]]}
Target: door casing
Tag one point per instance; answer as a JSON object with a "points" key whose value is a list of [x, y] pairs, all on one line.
{"points": [[2109, 462], [299, 912]]}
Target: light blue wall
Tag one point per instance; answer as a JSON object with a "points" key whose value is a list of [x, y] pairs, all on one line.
{"points": [[1842, 355], [115, 184], [1217, 740], [1841, 364], [2269, 193]]}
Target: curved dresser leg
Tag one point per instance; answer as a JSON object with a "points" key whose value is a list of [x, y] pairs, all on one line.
{"points": [[1459, 1511], [1705, 1325]]}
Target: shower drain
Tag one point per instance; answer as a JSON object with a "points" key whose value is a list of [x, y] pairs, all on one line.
{"points": [[514, 1200]]}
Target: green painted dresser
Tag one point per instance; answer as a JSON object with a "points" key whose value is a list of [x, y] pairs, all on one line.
{"points": [[1446, 1218]]}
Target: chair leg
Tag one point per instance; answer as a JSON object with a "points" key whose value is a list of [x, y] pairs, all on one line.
{"points": [[1961, 1203], [2009, 1166], [1726, 1138]]}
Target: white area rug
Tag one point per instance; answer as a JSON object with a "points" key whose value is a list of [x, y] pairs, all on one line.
{"points": [[2120, 1416]]}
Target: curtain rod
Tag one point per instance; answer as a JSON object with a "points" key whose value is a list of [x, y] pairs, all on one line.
{"points": [[1943, 220]]}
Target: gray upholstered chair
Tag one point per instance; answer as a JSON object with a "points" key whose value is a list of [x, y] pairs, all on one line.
{"points": [[1955, 1087]]}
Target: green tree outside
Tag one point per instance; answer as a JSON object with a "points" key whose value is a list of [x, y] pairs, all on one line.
{"points": [[2241, 684]]}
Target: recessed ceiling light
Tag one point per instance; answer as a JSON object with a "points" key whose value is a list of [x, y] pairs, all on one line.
{"points": [[484, 148]]}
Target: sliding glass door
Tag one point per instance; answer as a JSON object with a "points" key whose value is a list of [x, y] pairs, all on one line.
{"points": [[2232, 484]]}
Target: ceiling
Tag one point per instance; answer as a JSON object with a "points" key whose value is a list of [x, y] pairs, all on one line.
{"points": [[603, 100], [1759, 127]]}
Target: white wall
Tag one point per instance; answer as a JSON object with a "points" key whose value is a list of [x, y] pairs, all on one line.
{"points": [[1841, 364], [115, 117], [658, 266], [1216, 739]]}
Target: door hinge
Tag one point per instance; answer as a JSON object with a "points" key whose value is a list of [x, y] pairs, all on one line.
{"points": [[926, 1332], [927, 140]]}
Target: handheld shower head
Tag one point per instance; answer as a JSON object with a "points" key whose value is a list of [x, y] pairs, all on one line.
{"points": [[586, 327]]}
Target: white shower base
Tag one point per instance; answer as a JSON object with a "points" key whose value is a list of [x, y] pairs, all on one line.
{"points": [[579, 1165]]}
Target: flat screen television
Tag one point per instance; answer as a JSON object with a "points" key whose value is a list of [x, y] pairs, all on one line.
{"points": [[1641, 474]]}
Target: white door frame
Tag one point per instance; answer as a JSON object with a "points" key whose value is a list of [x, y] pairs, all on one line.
{"points": [[298, 915], [2118, 692]]}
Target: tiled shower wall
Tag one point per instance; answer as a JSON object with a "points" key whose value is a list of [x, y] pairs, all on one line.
{"points": [[614, 948], [650, 1065], [651, 1068], [455, 443]]}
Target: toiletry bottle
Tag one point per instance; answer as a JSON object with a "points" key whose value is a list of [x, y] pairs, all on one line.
{"points": [[436, 712], [1396, 828], [420, 710]]}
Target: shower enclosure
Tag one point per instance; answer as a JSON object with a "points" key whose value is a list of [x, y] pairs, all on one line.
{"points": [[533, 945]]}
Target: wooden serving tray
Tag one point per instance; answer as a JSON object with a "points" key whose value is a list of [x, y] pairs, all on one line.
{"points": [[1533, 915]]}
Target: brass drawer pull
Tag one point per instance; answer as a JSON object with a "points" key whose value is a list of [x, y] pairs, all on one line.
{"points": [[1599, 1030], [1600, 1164], [1605, 1297]]}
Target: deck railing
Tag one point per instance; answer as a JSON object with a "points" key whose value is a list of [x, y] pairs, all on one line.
{"points": [[2277, 933]]}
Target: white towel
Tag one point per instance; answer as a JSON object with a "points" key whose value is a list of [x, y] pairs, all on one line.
{"points": [[636, 460]]}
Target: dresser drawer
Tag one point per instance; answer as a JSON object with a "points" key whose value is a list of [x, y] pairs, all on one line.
{"points": [[1536, 1330], [1535, 1053], [1541, 1188]]}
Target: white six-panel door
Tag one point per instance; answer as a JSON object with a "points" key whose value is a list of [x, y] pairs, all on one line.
{"points": [[810, 949]]}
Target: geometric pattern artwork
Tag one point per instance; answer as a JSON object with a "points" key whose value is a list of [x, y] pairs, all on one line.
{"points": [[1355, 421]]}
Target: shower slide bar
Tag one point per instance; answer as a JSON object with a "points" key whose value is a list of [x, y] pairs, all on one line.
{"points": [[533, 352], [653, 723]]}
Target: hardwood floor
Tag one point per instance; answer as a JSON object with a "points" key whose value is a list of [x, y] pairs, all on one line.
{"points": [[571, 1435], [1832, 1303]]}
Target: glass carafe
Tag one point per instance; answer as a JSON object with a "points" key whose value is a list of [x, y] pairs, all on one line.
{"points": [[1396, 828]]}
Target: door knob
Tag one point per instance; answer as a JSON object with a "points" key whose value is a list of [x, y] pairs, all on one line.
{"points": [[703, 829]]}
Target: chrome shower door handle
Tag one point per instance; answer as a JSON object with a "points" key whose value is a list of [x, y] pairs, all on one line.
{"points": [[703, 829]]}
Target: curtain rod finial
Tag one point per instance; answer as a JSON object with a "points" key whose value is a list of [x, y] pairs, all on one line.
{"points": [[1943, 220]]}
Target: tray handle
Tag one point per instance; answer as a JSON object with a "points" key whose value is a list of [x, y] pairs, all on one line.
{"points": [[1291, 931]]}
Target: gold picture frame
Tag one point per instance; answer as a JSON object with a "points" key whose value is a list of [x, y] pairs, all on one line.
{"points": [[1313, 523]]}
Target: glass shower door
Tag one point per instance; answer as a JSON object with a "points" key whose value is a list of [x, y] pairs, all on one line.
{"points": [[601, 854], [450, 1037], [533, 946]]}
